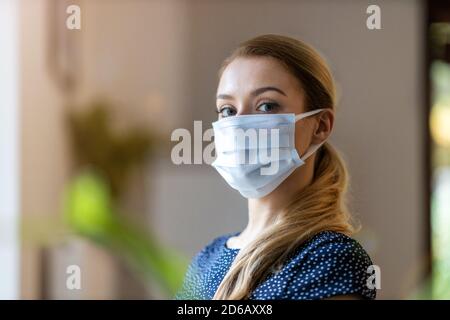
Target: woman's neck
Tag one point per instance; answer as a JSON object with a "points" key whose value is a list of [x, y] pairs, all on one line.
{"points": [[263, 211]]}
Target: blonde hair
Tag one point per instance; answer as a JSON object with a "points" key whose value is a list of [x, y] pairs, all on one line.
{"points": [[321, 206]]}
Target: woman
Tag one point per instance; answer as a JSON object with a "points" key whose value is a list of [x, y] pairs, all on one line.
{"points": [[296, 244]]}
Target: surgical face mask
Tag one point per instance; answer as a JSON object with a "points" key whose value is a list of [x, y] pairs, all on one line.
{"points": [[256, 153]]}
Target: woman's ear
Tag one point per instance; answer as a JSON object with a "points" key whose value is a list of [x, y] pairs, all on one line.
{"points": [[324, 125]]}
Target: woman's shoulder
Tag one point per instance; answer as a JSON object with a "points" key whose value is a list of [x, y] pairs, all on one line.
{"points": [[200, 266], [218, 242], [330, 246], [326, 241], [332, 263], [214, 246]]}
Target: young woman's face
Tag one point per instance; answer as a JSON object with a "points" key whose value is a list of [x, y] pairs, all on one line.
{"points": [[262, 85]]}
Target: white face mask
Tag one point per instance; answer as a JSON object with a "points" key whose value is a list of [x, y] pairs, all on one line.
{"points": [[256, 153]]}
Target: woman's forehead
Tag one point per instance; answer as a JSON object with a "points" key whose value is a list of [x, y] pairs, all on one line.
{"points": [[244, 74]]}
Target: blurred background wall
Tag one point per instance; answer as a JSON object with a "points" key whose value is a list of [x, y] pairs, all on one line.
{"points": [[157, 62]]}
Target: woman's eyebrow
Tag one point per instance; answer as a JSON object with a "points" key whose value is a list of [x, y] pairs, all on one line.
{"points": [[255, 92], [264, 89], [224, 96]]}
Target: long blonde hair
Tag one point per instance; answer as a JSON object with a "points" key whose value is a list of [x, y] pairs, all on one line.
{"points": [[321, 206]]}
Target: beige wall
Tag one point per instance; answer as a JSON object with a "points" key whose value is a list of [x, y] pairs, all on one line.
{"points": [[133, 53], [43, 161]]}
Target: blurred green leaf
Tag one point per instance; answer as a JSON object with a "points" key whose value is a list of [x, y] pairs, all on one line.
{"points": [[90, 212]]}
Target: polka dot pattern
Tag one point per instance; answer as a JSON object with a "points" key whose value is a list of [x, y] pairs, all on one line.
{"points": [[329, 264]]}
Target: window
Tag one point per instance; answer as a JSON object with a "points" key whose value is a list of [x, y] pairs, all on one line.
{"points": [[439, 126]]}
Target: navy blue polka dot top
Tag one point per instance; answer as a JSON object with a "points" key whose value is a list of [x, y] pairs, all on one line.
{"points": [[329, 264]]}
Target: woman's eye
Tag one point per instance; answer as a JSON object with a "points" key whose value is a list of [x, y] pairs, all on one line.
{"points": [[227, 112], [267, 107]]}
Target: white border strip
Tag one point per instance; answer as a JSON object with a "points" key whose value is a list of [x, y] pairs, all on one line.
{"points": [[9, 149]]}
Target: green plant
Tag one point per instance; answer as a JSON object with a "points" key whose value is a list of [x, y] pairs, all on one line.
{"points": [[115, 154], [89, 210], [92, 199]]}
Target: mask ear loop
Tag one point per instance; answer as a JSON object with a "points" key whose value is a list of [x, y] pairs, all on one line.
{"points": [[307, 114], [314, 148], [311, 150]]}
